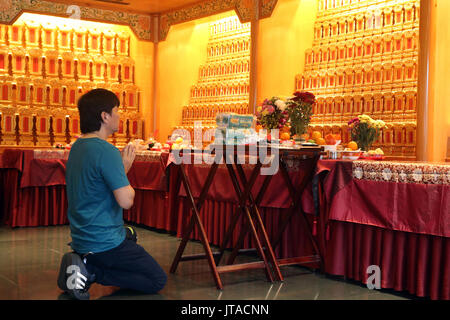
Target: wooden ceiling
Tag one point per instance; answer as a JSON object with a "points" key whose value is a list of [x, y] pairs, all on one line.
{"points": [[135, 6]]}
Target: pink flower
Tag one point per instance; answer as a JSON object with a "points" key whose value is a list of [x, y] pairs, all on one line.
{"points": [[270, 109], [354, 121]]}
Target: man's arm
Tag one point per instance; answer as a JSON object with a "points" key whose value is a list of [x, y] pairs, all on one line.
{"points": [[125, 196]]}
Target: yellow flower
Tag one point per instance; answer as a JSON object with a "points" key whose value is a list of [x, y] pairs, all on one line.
{"points": [[379, 124], [265, 113], [365, 119], [259, 109]]}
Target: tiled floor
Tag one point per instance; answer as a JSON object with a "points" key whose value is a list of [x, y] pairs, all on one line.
{"points": [[30, 257]]}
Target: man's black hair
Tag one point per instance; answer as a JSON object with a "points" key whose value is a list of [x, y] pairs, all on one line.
{"points": [[91, 105]]}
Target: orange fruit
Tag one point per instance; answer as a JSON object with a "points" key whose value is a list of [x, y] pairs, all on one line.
{"points": [[285, 136], [316, 135], [352, 145], [320, 141]]}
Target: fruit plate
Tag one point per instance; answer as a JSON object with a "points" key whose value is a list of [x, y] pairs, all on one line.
{"points": [[350, 155]]}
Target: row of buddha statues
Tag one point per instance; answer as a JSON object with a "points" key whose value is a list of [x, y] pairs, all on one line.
{"points": [[223, 71], [228, 27], [401, 75], [55, 93], [377, 49], [388, 106], [220, 92], [18, 61], [228, 49], [206, 113], [38, 127], [65, 38], [377, 14]]}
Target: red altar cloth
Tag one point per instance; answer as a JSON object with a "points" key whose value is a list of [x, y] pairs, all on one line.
{"points": [[413, 255], [410, 207], [34, 189], [402, 206]]}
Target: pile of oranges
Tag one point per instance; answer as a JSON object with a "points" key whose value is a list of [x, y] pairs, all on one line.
{"points": [[315, 136], [285, 133], [352, 145]]}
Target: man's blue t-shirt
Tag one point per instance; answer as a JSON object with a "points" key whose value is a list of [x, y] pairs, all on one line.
{"points": [[94, 170]]}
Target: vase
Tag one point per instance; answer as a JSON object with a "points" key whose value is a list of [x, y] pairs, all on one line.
{"points": [[364, 145], [298, 129]]}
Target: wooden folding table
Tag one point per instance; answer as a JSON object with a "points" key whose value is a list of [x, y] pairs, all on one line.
{"points": [[248, 207]]}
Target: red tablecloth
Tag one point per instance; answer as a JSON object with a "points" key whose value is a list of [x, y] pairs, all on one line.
{"points": [[413, 255], [222, 188], [34, 190], [402, 206]]}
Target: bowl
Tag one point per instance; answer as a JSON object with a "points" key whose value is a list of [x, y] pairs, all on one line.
{"points": [[351, 155]]}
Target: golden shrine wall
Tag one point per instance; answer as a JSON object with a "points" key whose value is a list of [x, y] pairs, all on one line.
{"points": [[223, 79], [47, 63], [364, 59]]}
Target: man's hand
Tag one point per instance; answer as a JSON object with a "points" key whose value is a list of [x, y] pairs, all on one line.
{"points": [[128, 155]]}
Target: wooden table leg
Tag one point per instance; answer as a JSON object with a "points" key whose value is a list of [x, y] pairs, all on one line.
{"points": [[195, 219], [257, 216], [242, 201], [296, 206], [240, 241]]}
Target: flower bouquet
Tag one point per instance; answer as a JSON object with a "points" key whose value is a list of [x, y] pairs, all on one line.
{"points": [[300, 111], [272, 114], [365, 131]]}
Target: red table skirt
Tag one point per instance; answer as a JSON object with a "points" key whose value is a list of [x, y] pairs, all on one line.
{"points": [[411, 261], [34, 191], [152, 209], [47, 206], [416, 263]]}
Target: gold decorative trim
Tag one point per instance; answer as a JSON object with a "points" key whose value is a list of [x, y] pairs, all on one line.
{"points": [[141, 24], [10, 10], [243, 9], [403, 172]]}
